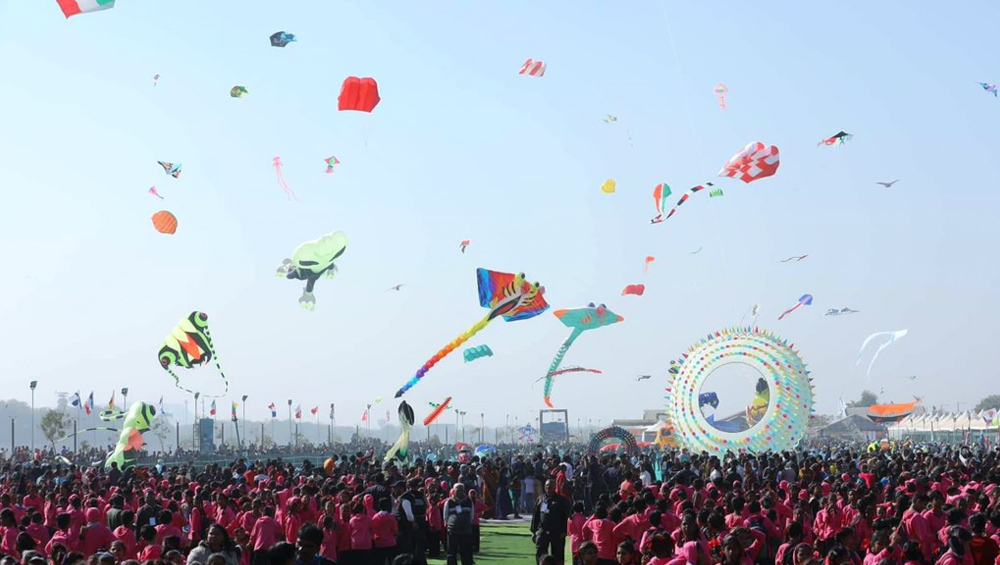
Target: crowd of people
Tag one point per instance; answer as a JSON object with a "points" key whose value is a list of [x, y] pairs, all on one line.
{"points": [[842, 506]]}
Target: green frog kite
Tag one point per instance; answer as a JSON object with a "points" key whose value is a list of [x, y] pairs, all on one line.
{"points": [[312, 260]]}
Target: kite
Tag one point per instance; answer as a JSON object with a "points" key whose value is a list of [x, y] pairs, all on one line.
{"points": [[715, 192], [609, 186], [842, 312], [527, 432], [893, 338], [804, 300], [506, 295], [533, 68], [238, 91], [311, 260], [358, 94], [708, 399], [437, 411], [720, 94], [887, 184], [152, 190], [464, 244], [660, 194], [580, 320], [171, 169], [135, 422], [400, 450], [565, 370], [645, 265], [986, 86], [397, 287], [281, 180], [696, 252], [685, 196], [281, 39], [797, 258], [473, 353], [839, 138], [911, 378], [610, 119], [330, 162], [156, 79], [165, 222], [754, 310], [190, 344], [754, 162], [643, 378], [74, 7], [636, 289]]}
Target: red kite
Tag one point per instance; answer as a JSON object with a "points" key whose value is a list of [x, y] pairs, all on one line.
{"points": [[358, 94]]}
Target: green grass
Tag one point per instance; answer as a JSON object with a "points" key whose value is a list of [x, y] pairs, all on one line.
{"points": [[504, 544]]}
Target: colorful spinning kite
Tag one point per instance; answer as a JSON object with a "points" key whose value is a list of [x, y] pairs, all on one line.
{"points": [[311, 260], [986, 86], [506, 295], [608, 187], [281, 39], [171, 169], [190, 344], [358, 94], [838, 138], [634, 289], [330, 162], [660, 194], [580, 320], [464, 244], [787, 415], [437, 411], [238, 91], [614, 432], [533, 68], [804, 300], [842, 312], [754, 162], [401, 449], [893, 338], [720, 94], [281, 180], [473, 353]]}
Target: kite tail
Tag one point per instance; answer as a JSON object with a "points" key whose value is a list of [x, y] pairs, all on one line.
{"points": [[284, 185], [789, 311], [455, 344], [177, 381], [402, 445], [554, 366], [97, 429], [211, 347]]}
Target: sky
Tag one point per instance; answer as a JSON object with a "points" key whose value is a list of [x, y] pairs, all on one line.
{"points": [[463, 147]]}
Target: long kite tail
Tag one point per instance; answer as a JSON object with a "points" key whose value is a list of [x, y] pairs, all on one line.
{"points": [[97, 429], [402, 445], [455, 344], [554, 366], [790, 310]]}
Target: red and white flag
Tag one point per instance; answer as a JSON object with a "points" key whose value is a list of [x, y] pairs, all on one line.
{"points": [[298, 411]]}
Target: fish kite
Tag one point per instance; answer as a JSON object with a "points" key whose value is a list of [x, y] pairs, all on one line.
{"points": [[152, 190], [464, 244], [645, 265], [610, 119], [660, 194], [804, 300], [330, 162], [643, 378], [281, 39], [171, 169], [715, 192], [887, 184], [609, 186], [238, 91], [839, 138], [438, 409], [720, 94], [74, 7], [795, 258], [473, 353], [506, 295], [841, 312], [533, 68], [400, 450], [634, 289], [281, 180], [754, 162], [893, 338], [580, 320], [986, 86], [190, 344], [311, 260]]}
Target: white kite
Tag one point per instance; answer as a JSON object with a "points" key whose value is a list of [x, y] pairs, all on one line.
{"points": [[893, 337]]}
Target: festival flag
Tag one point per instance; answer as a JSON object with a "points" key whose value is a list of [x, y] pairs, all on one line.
{"points": [[332, 414], [88, 406], [234, 409], [211, 411], [314, 411], [111, 403], [298, 411], [76, 399], [364, 417], [274, 412]]}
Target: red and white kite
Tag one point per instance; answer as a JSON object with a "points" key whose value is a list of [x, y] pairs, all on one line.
{"points": [[754, 162], [533, 68]]}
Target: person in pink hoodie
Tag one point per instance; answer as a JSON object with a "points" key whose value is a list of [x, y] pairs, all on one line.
{"points": [[125, 533], [574, 527], [959, 548], [918, 529], [599, 529], [263, 535], [95, 535], [385, 529], [361, 535]]}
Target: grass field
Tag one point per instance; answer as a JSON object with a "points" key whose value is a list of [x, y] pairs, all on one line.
{"points": [[504, 544]]}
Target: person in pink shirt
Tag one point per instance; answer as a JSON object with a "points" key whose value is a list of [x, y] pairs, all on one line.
{"points": [[574, 527], [360, 527], [263, 535], [935, 515], [165, 527], [918, 529], [328, 548], [8, 532], [634, 525], [385, 529], [599, 529], [662, 549], [95, 535], [292, 521], [62, 535], [125, 533], [959, 548], [32, 500], [148, 549], [37, 530], [828, 522]]}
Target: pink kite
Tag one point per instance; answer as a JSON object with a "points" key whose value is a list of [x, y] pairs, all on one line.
{"points": [[753, 162], [152, 190], [281, 180], [636, 289], [533, 68], [645, 266]]}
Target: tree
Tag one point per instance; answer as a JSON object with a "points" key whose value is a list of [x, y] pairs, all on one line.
{"points": [[161, 429], [991, 401], [868, 398], [54, 424]]}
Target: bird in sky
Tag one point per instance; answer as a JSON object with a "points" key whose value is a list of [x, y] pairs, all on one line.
{"points": [[397, 287], [887, 184], [797, 258], [643, 377]]}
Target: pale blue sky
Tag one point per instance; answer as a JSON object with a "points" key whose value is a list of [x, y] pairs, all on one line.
{"points": [[461, 146]]}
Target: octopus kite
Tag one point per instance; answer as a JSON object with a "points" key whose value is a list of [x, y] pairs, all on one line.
{"points": [[190, 344], [505, 295], [311, 260], [580, 320], [281, 180]]}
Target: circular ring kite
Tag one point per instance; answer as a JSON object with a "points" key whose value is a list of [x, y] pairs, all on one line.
{"points": [[614, 432], [790, 402]]}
